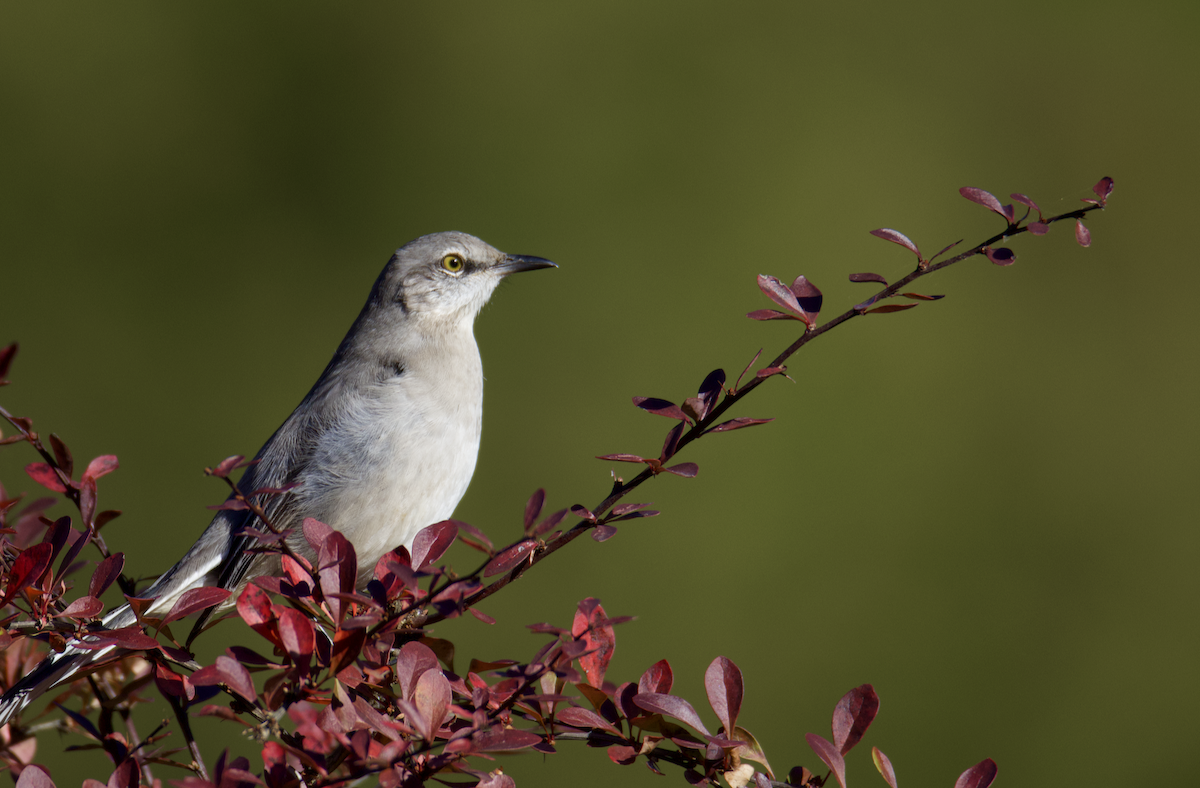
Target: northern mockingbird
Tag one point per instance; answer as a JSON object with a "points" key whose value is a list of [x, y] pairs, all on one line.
{"points": [[383, 445]]}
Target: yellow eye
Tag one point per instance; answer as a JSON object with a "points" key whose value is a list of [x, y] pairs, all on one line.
{"points": [[452, 263]]}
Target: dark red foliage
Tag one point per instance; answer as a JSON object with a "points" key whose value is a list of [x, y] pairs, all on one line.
{"points": [[723, 683], [829, 755], [592, 627], [194, 601], [658, 678], [884, 766], [107, 571], [989, 201], [1082, 234], [896, 237], [533, 507], [510, 558], [431, 543], [1001, 256], [660, 407], [853, 715], [6, 358], [980, 775], [45, 475]]}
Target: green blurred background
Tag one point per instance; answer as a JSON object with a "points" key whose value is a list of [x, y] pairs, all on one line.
{"points": [[980, 506]]}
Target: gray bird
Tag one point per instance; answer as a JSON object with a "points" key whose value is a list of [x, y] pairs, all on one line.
{"points": [[383, 445]]}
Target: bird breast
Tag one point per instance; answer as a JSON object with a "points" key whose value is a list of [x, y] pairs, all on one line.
{"points": [[398, 457]]}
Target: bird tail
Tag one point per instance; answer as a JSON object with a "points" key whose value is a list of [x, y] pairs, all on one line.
{"points": [[195, 569], [59, 668]]}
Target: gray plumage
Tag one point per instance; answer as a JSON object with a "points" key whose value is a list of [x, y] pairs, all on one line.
{"points": [[383, 445]]}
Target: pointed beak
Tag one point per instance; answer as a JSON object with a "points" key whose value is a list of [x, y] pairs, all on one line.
{"points": [[515, 263]]}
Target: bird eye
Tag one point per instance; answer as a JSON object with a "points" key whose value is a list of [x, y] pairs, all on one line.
{"points": [[452, 264]]}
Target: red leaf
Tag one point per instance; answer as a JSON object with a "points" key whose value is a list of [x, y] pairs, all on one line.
{"points": [[671, 706], [636, 515], [658, 678], [829, 754], [622, 754], [868, 277], [133, 638], [254, 607], [6, 357], [582, 512], [509, 558], [432, 542], [585, 718], [602, 533], [533, 507], [1026, 202], [550, 522], [711, 387], [296, 633], [1082, 234], [619, 458], [884, 766], [723, 684], [779, 293], [62, 454], [660, 407], [34, 776], [688, 470], [737, 424], [87, 500], [889, 308], [853, 715], [231, 505], [413, 661], [809, 297], [591, 627], [944, 250], [770, 314], [227, 671], [1038, 228], [196, 599], [347, 645], [101, 466], [1101, 189], [46, 476], [84, 607], [919, 297], [896, 237], [126, 775], [28, 569], [980, 775], [432, 699], [106, 572], [171, 683], [474, 537], [228, 465], [236, 677], [296, 572], [337, 571], [479, 614], [1002, 256], [503, 740], [315, 532], [987, 200]]}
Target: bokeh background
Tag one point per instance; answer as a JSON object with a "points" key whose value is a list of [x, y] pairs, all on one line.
{"points": [[983, 506]]}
